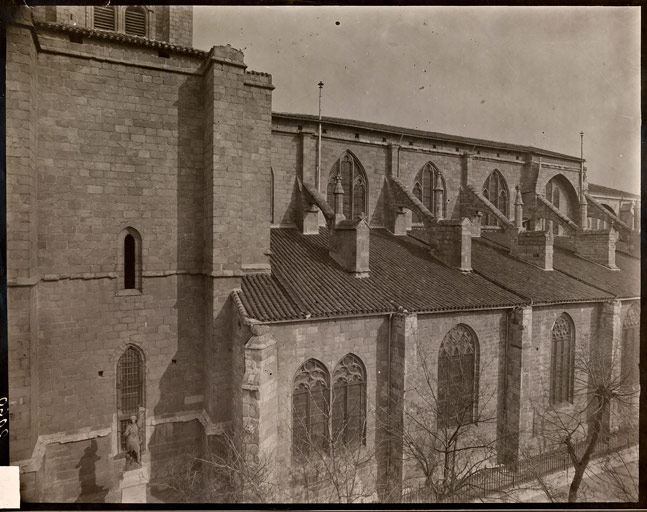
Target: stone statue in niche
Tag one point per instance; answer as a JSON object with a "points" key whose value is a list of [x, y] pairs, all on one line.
{"points": [[133, 442]]}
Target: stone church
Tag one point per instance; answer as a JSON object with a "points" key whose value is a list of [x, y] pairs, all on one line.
{"points": [[178, 252]]}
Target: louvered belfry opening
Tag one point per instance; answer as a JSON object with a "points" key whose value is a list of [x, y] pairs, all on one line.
{"points": [[104, 18], [130, 391], [135, 21]]}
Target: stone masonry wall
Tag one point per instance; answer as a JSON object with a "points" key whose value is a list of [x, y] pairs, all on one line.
{"points": [[115, 145], [329, 341], [371, 149], [285, 163], [22, 232], [535, 374], [180, 22]]}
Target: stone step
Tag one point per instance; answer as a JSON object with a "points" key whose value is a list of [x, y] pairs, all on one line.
{"points": [[135, 477], [134, 494]]}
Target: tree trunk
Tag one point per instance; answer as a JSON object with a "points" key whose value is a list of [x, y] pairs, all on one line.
{"points": [[575, 483], [580, 467]]}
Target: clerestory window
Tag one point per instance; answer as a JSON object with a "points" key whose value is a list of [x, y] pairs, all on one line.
{"points": [[495, 189], [354, 184]]}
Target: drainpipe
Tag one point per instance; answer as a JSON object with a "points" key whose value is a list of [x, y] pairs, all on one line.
{"points": [[505, 373], [388, 381]]}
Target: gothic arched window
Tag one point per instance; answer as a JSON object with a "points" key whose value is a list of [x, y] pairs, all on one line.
{"points": [[562, 360], [135, 21], [310, 408], [105, 18], [130, 260], [349, 401], [631, 345], [354, 184], [458, 377], [495, 189], [428, 179], [130, 391], [359, 197]]}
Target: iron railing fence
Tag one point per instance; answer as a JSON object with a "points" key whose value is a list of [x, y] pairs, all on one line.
{"points": [[500, 478]]}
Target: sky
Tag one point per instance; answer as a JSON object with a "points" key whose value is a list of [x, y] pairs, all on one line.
{"points": [[536, 76]]}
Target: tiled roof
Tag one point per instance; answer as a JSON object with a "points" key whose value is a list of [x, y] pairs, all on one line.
{"points": [[264, 299], [608, 191], [623, 283], [629, 249], [494, 262], [385, 128], [109, 35], [306, 281]]}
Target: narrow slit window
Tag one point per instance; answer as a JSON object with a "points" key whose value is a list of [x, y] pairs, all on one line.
{"points": [[129, 262]]}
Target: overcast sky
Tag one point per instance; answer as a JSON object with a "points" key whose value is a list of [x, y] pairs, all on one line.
{"points": [[526, 75]]}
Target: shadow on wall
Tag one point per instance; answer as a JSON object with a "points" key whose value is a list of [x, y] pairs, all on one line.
{"points": [[293, 214], [382, 411], [182, 380], [90, 491]]}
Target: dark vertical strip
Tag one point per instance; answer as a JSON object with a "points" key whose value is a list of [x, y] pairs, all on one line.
{"points": [[129, 262], [4, 346], [553, 369]]}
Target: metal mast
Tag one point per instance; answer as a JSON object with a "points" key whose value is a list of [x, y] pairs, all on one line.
{"points": [[581, 165], [320, 84]]}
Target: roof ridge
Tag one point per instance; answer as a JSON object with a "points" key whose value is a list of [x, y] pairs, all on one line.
{"points": [[602, 188], [430, 134]]}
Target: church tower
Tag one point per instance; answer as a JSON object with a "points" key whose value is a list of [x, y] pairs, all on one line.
{"points": [[170, 23]]}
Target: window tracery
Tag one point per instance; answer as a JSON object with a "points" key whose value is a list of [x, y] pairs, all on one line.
{"points": [[310, 407], [349, 401], [457, 377], [354, 185], [631, 345], [428, 179], [562, 360], [495, 190]]}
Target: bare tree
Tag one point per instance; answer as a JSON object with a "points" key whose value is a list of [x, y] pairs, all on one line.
{"points": [[448, 433], [602, 395], [234, 473], [336, 464]]}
